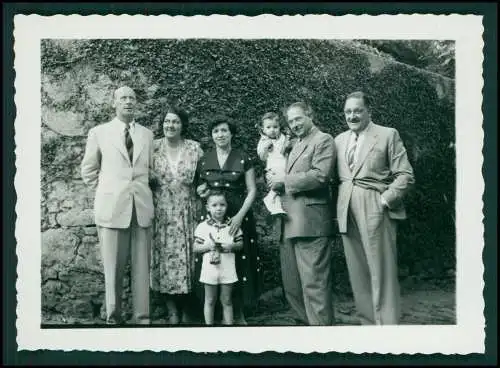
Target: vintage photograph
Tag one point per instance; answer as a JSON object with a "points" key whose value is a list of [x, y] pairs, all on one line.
{"points": [[227, 185], [220, 115]]}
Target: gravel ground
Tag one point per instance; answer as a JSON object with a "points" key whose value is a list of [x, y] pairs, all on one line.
{"points": [[424, 302]]}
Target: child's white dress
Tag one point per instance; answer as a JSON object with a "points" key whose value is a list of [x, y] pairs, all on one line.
{"points": [[276, 162]]}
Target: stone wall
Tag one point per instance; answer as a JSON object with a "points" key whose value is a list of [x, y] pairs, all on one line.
{"points": [[78, 78]]}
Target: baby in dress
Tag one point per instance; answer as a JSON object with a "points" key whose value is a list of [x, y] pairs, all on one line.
{"points": [[218, 269], [272, 148]]}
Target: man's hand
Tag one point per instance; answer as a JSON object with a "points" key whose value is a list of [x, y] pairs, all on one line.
{"points": [[268, 146], [275, 181], [384, 202]]}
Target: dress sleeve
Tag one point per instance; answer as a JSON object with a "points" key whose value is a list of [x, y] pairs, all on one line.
{"points": [[199, 151], [248, 162], [199, 167]]}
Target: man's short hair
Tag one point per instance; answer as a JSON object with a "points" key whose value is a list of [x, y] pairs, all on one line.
{"points": [[303, 106], [122, 87], [360, 95]]}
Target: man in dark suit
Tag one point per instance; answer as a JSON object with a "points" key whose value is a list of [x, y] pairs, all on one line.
{"points": [[305, 252], [374, 174]]}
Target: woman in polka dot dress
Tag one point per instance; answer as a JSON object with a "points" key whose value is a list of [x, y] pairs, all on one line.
{"points": [[229, 169]]}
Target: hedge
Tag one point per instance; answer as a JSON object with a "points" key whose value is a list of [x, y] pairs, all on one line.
{"points": [[245, 78]]}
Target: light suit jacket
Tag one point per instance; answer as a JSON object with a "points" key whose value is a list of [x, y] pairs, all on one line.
{"points": [[117, 181], [307, 199], [382, 165]]}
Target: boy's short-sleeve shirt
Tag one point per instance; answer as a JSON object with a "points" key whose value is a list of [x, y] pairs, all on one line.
{"points": [[219, 232]]}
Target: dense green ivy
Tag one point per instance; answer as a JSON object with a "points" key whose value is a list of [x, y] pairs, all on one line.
{"points": [[245, 78]]}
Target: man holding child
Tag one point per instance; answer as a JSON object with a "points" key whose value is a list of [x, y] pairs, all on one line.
{"points": [[305, 252]]}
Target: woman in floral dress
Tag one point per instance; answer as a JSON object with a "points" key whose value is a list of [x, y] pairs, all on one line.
{"points": [[176, 214]]}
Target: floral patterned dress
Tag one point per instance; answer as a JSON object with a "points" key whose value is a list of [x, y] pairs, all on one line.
{"points": [[176, 216], [231, 179]]}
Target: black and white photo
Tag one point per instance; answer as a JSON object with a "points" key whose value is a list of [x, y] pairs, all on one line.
{"points": [[250, 180]]}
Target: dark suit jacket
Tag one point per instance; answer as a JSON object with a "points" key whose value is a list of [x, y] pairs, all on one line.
{"points": [[307, 198]]}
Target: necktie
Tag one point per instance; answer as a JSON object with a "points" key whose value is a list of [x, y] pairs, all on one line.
{"points": [[129, 145], [352, 151]]}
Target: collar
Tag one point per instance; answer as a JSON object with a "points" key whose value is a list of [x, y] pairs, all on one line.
{"points": [[277, 139], [313, 130], [122, 124], [212, 222], [364, 131]]}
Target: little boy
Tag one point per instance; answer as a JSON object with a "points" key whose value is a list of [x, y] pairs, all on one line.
{"points": [[218, 267]]}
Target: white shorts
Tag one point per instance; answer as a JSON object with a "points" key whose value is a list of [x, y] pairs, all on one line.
{"points": [[222, 273]]}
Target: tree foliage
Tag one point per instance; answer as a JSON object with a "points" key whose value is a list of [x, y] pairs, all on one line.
{"points": [[434, 55]]}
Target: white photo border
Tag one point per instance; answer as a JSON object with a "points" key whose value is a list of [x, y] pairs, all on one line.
{"points": [[467, 336]]}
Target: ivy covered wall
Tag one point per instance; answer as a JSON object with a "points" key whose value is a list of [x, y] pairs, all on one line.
{"points": [[243, 79]]}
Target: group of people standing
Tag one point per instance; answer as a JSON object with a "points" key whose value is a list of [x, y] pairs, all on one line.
{"points": [[184, 218]]}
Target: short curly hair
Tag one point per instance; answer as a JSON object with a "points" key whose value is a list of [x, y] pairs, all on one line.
{"points": [[181, 113], [222, 119]]}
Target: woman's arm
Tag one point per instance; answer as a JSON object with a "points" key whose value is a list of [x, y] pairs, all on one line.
{"points": [[250, 198], [236, 244], [200, 184], [251, 192]]}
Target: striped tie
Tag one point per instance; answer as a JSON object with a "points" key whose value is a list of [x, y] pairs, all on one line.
{"points": [[129, 145], [352, 152]]}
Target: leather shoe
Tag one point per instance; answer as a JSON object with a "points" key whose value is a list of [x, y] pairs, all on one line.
{"points": [[114, 321]]}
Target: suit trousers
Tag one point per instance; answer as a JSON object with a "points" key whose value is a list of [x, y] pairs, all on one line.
{"points": [[370, 251], [307, 278], [116, 247]]}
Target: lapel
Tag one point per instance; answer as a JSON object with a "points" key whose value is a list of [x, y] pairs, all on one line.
{"points": [[371, 138], [344, 145], [139, 142], [298, 149], [117, 138]]}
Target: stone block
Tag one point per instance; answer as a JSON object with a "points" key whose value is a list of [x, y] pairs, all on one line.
{"points": [[76, 217], [59, 90], [58, 247], [52, 205], [90, 230], [66, 123]]}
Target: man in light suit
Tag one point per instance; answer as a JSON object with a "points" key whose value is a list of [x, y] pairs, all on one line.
{"points": [[375, 175], [117, 163], [305, 252]]}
